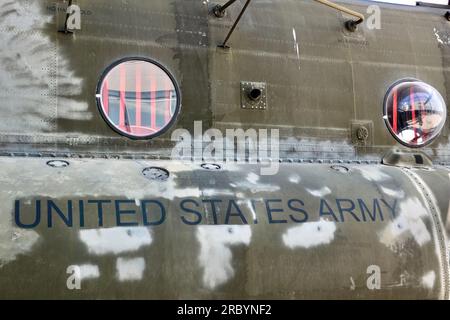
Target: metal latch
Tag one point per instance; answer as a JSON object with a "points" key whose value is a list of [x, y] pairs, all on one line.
{"points": [[406, 158]]}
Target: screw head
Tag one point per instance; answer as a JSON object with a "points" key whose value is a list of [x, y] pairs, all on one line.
{"points": [[218, 12]]}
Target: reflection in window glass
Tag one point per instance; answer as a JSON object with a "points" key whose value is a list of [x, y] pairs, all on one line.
{"points": [[415, 112], [138, 98]]}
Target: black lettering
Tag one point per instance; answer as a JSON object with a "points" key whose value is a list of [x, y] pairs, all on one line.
{"points": [[51, 206], [120, 213], [329, 212], [237, 213], [274, 210], [36, 221], [348, 209], [99, 209], [213, 208], [392, 209], [162, 218], [293, 208], [188, 210], [372, 215]]}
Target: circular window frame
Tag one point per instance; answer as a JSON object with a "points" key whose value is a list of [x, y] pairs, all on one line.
{"points": [[386, 118], [98, 97]]}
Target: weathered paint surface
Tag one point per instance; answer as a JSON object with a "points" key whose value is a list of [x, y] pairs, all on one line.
{"points": [[319, 77], [169, 239], [308, 232]]}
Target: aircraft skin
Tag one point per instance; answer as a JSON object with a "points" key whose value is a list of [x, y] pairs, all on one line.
{"points": [[339, 220]]}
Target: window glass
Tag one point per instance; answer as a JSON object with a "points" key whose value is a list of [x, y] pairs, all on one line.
{"points": [[414, 112], [138, 98]]}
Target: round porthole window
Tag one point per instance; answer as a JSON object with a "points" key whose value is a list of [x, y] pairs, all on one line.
{"points": [[138, 98], [414, 112]]}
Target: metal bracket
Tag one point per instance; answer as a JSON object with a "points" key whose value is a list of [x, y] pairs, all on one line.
{"points": [[407, 159], [350, 25], [219, 12], [362, 133], [356, 37]]}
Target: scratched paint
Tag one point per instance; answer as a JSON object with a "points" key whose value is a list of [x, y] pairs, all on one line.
{"points": [[33, 63], [441, 37], [374, 174], [400, 194], [254, 184], [115, 240], [89, 271], [320, 192], [323, 88], [409, 223], [296, 46], [215, 251], [310, 235], [14, 242], [130, 269], [313, 148], [295, 179], [429, 279]]}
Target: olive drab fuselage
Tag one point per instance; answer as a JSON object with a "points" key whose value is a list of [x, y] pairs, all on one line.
{"points": [[89, 211]]}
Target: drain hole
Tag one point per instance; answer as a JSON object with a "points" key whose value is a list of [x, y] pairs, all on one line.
{"points": [[255, 94], [58, 163], [341, 169], [156, 174], [211, 166]]}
